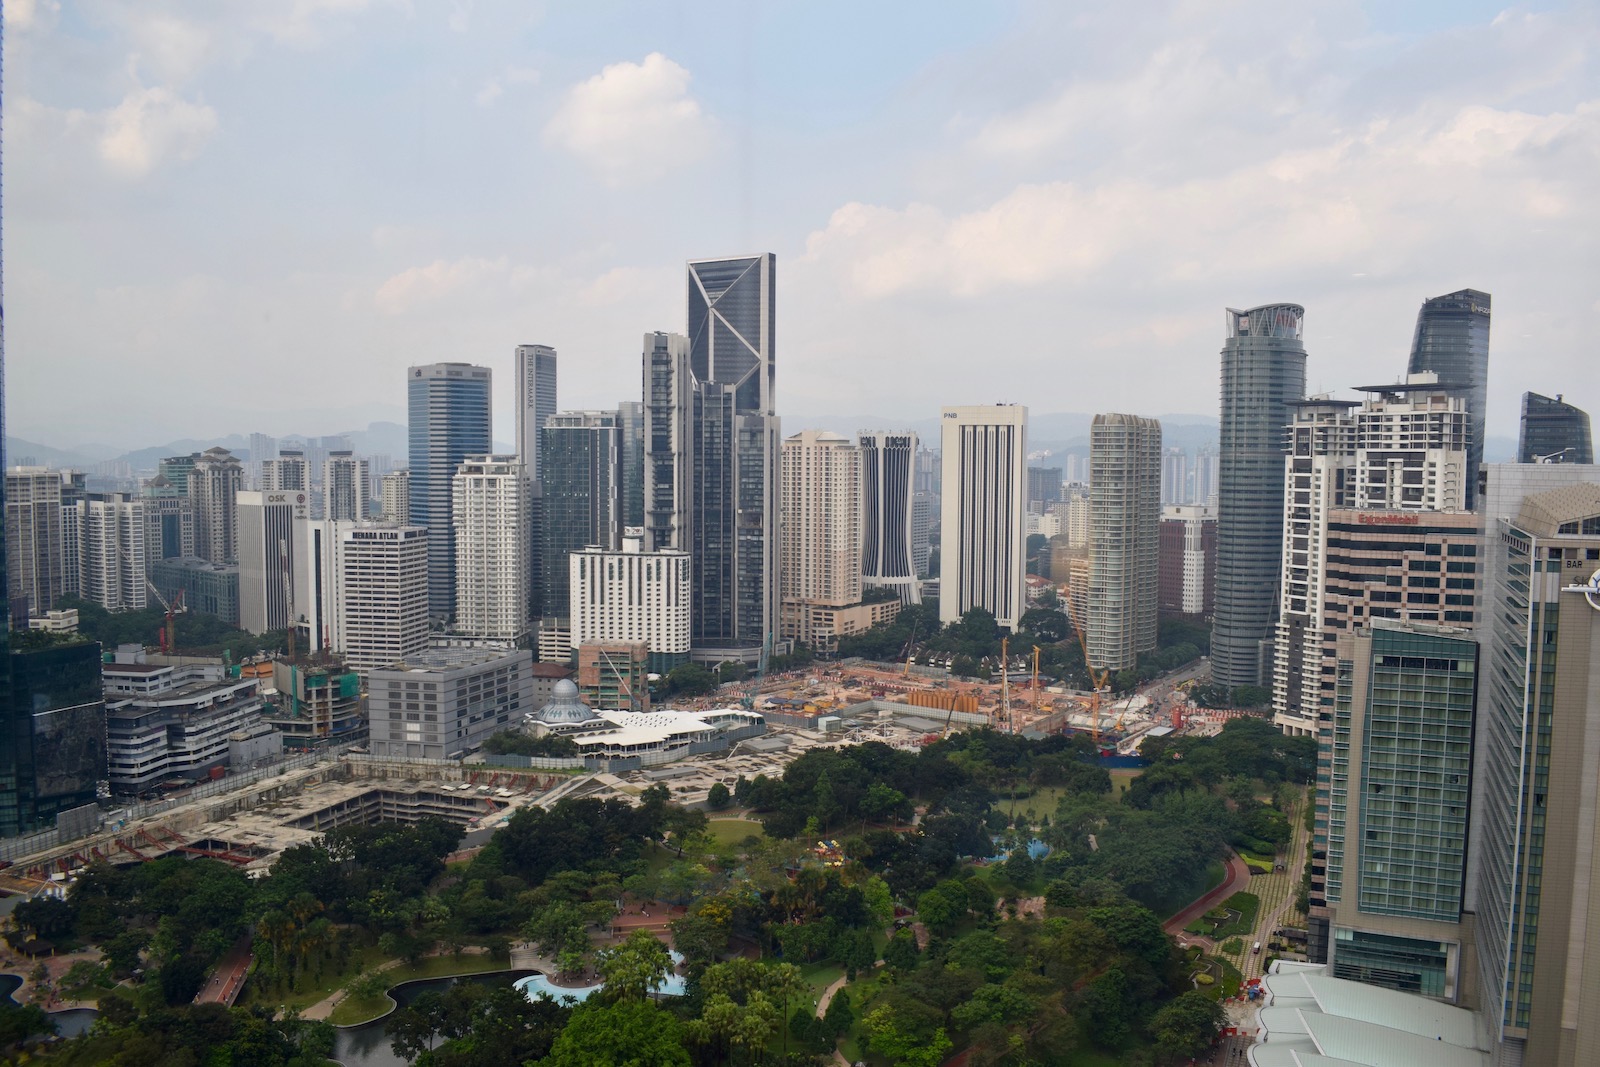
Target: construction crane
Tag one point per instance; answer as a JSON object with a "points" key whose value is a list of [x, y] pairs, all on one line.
{"points": [[1035, 679], [911, 648], [1097, 679], [1005, 683], [288, 594], [169, 629], [754, 690]]}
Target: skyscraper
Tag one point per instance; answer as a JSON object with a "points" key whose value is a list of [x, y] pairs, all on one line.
{"points": [[1175, 482], [1553, 431], [272, 550], [1125, 539], [630, 459], [1263, 372], [449, 420], [346, 486], [1188, 561], [711, 452], [1394, 783], [820, 546], [395, 506], [112, 562], [983, 506], [289, 472], [732, 355], [1403, 449], [536, 402], [1536, 795], [1452, 340], [580, 502], [35, 552], [491, 495], [214, 483], [888, 513], [381, 584]]}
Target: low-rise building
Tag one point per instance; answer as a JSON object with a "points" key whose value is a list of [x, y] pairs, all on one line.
{"points": [[443, 702], [317, 705], [615, 675], [167, 722], [207, 587]]}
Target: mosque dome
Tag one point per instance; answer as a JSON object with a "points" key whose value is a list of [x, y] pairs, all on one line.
{"points": [[565, 706]]}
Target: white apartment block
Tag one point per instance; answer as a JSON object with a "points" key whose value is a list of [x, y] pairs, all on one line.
{"points": [[983, 512], [395, 502], [1402, 449], [490, 501], [35, 537], [288, 472], [111, 561], [214, 484], [629, 597], [346, 487], [820, 540]]}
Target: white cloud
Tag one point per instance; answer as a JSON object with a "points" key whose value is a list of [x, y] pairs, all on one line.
{"points": [[439, 279], [29, 14], [153, 125], [495, 87], [632, 120], [174, 49]]}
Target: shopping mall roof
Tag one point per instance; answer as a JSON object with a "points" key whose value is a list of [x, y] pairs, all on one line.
{"points": [[1311, 1019]]}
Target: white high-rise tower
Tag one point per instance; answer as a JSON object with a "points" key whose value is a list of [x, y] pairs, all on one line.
{"points": [[983, 507]]}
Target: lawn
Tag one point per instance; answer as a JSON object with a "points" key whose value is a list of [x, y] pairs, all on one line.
{"points": [[360, 960], [730, 832], [350, 1012], [1122, 777], [1234, 917]]}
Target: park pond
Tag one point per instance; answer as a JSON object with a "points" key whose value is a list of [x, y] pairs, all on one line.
{"points": [[70, 1022], [367, 1045]]}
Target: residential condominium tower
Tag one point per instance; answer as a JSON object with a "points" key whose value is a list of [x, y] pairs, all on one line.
{"points": [[1403, 449], [820, 554], [1125, 539], [632, 597], [492, 519], [214, 483], [449, 421], [983, 506], [888, 513], [35, 550], [1452, 340], [346, 486], [1263, 373]]}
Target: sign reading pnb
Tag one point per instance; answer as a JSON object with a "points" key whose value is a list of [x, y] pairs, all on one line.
{"points": [[1403, 518]]}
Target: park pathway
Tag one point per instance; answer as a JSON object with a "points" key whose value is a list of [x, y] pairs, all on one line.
{"points": [[1238, 879]]}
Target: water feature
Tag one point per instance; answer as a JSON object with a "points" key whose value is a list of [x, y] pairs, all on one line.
{"points": [[70, 1022], [536, 984], [367, 1045]]}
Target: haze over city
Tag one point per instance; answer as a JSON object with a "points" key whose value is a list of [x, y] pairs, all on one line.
{"points": [[225, 218]]}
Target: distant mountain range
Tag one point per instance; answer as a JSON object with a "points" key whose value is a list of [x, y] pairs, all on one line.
{"points": [[1048, 434]]}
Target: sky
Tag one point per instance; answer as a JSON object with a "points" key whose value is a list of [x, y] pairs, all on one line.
{"points": [[235, 216]]}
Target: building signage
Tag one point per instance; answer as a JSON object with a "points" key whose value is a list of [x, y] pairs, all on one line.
{"points": [[1404, 518]]}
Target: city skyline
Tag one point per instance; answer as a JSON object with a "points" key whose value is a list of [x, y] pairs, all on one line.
{"points": [[1353, 173]]}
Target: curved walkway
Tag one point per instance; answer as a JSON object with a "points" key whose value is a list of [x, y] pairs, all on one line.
{"points": [[1238, 879]]}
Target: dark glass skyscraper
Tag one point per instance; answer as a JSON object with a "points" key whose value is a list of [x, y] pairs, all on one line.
{"points": [[1263, 373], [449, 420], [1553, 431], [580, 502], [1452, 340]]}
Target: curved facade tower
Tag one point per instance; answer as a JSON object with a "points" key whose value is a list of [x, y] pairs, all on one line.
{"points": [[1553, 431], [887, 503], [1263, 374], [1452, 340]]}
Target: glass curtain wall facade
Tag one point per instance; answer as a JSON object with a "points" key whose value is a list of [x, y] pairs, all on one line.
{"points": [[1452, 340], [579, 506], [449, 420], [1263, 373], [1553, 431]]}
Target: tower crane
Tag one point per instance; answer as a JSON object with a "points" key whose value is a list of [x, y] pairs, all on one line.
{"points": [[174, 608], [1097, 679]]}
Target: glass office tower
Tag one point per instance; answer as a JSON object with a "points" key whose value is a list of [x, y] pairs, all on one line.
{"points": [[1452, 340], [580, 502], [1553, 431], [449, 420], [1263, 374]]}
